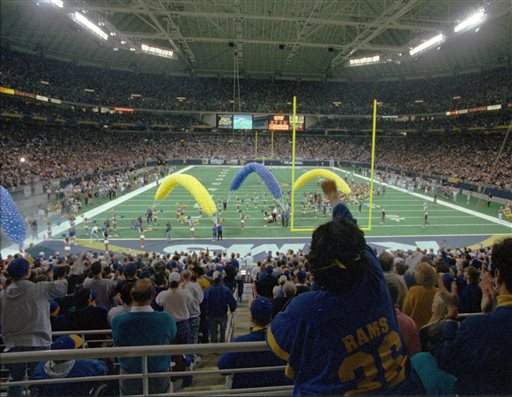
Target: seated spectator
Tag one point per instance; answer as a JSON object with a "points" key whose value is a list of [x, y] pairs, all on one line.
{"points": [[430, 334], [407, 326], [144, 327], [103, 289], [419, 298], [327, 335], [280, 303], [25, 315], [478, 353], [218, 299], [68, 369], [261, 315], [470, 295]]}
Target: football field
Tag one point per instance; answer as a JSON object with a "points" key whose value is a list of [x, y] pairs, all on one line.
{"points": [[404, 210]]}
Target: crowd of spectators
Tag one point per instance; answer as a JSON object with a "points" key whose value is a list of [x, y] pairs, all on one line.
{"points": [[66, 81], [64, 153], [154, 299]]}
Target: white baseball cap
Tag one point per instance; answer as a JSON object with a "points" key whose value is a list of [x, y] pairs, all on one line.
{"points": [[175, 276]]}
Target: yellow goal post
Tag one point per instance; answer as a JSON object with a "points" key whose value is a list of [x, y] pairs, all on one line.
{"points": [[372, 170]]}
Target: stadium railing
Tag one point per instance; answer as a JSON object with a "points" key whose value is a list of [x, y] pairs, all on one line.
{"points": [[144, 352]]}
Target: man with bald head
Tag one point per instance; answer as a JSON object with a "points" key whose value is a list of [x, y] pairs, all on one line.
{"points": [[144, 327]]}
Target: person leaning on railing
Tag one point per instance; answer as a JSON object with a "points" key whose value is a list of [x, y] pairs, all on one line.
{"points": [[142, 327], [25, 315]]}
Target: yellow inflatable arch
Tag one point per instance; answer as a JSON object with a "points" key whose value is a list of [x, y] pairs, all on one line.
{"points": [[322, 173], [193, 186]]}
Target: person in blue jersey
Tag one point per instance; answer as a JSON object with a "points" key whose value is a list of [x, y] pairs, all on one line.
{"points": [[261, 315], [479, 352], [343, 338]]}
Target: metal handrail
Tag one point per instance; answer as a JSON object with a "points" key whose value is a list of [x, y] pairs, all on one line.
{"points": [[131, 351], [144, 352]]}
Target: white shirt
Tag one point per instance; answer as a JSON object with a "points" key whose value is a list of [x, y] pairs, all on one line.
{"points": [[176, 302], [197, 294], [146, 308]]}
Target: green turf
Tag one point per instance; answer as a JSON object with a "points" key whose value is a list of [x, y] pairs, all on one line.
{"points": [[404, 212]]}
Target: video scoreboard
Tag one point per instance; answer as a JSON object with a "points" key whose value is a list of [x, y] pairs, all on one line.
{"points": [[272, 122]]}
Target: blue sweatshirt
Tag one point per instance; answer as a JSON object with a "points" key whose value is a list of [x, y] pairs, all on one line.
{"points": [[344, 343], [218, 299], [253, 360], [479, 353]]}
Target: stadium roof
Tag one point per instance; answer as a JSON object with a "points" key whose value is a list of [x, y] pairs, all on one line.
{"points": [[308, 39]]}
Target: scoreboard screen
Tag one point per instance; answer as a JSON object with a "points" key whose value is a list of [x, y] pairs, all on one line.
{"points": [[242, 122], [225, 121], [282, 122]]}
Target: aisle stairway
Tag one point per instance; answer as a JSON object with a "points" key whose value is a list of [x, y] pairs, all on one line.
{"points": [[242, 324]]}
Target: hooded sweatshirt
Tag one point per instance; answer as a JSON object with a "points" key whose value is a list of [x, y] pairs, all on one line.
{"points": [[25, 312]]}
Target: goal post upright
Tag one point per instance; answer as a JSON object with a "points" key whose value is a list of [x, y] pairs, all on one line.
{"points": [[292, 198], [372, 163], [372, 169]]}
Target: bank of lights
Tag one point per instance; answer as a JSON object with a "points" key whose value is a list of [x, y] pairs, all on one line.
{"points": [[82, 20], [364, 61], [159, 52], [430, 43], [473, 21], [57, 3]]}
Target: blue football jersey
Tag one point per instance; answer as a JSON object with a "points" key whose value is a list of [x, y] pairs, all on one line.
{"points": [[342, 344]]}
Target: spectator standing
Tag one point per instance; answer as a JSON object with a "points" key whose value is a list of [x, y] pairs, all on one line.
{"points": [[103, 289], [218, 300], [177, 302], [144, 327], [196, 292], [25, 315], [325, 335]]}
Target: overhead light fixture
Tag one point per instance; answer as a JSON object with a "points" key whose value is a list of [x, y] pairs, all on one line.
{"points": [[123, 42], [115, 49], [364, 61], [133, 49], [57, 3], [113, 34], [159, 52], [82, 20], [430, 43], [471, 22]]}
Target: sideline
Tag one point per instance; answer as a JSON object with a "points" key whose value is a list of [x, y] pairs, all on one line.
{"points": [[62, 227], [431, 199]]}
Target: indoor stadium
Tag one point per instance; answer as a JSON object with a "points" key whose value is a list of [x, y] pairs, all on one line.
{"points": [[255, 197]]}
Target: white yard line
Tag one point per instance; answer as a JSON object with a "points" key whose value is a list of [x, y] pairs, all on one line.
{"points": [[441, 202], [62, 227]]}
